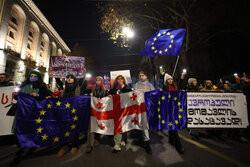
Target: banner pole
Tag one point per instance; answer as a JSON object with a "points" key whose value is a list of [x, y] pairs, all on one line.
{"points": [[175, 66]]}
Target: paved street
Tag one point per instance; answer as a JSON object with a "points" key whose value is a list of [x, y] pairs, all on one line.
{"points": [[204, 152]]}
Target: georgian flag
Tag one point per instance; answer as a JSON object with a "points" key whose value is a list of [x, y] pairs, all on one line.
{"points": [[119, 113]]}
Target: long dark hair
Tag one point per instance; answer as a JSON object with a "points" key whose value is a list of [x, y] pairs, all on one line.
{"points": [[35, 85], [70, 86]]}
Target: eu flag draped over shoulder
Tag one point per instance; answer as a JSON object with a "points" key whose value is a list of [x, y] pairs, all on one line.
{"points": [[166, 109], [51, 121], [164, 42]]}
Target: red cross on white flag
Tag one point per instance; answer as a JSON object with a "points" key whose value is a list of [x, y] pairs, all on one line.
{"points": [[119, 113]]}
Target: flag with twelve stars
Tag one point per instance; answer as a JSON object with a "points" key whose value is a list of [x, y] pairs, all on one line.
{"points": [[51, 121], [166, 109], [164, 42]]}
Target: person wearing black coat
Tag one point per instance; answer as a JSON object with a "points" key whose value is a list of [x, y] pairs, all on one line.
{"points": [[98, 91], [69, 91], [174, 138]]}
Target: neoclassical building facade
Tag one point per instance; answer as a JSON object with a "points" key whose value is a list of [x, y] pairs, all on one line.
{"points": [[27, 40]]}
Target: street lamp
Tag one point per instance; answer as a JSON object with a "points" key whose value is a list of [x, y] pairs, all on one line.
{"points": [[88, 75], [128, 32]]}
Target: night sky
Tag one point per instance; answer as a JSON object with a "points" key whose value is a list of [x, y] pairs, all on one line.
{"points": [[76, 21]]}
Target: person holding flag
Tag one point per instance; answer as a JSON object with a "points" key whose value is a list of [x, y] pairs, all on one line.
{"points": [[144, 85], [98, 91], [169, 85], [33, 86], [119, 86]]}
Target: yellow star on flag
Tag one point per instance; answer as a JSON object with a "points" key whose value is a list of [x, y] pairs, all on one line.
{"points": [[58, 103], [170, 124], [168, 33], [180, 109], [155, 39], [75, 118], [49, 105], [160, 52], [179, 103], [176, 122], [67, 134], [38, 121], [158, 35], [159, 116], [172, 36], [166, 50], [56, 139], [179, 116], [159, 102], [67, 105], [155, 51], [44, 137], [73, 111], [163, 122], [73, 126], [39, 130], [158, 109], [169, 96], [163, 97], [172, 41], [175, 98], [42, 112], [170, 46], [152, 43], [152, 47], [164, 32]]}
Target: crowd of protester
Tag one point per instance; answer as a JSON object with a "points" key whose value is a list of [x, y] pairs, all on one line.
{"points": [[34, 86]]}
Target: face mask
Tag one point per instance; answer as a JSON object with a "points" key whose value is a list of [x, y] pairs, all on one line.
{"points": [[33, 79]]}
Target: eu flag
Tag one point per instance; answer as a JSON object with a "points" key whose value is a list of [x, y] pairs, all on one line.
{"points": [[51, 121], [164, 42], [166, 109]]}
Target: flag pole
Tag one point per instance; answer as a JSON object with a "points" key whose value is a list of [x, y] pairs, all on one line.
{"points": [[175, 66]]}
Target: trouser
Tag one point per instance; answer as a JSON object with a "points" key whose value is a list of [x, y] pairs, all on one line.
{"points": [[175, 139], [145, 135], [119, 138]]}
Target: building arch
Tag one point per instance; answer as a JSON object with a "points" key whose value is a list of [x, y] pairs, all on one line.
{"points": [[14, 38]]}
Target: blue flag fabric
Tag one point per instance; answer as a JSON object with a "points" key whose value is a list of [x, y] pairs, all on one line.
{"points": [[166, 109], [51, 121], [164, 42]]}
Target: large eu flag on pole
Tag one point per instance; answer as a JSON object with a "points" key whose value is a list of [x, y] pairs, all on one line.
{"points": [[51, 121], [164, 42], [166, 109]]}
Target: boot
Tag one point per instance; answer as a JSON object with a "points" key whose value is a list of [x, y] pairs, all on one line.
{"points": [[148, 147]]}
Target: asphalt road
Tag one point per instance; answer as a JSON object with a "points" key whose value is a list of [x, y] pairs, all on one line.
{"points": [[205, 152]]}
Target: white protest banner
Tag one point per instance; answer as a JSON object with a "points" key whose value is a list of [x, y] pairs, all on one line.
{"points": [[216, 110], [6, 97], [125, 73]]}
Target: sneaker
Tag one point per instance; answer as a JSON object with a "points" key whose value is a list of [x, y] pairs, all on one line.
{"points": [[73, 150], [89, 149], [61, 153], [96, 143], [116, 149], [123, 144]]}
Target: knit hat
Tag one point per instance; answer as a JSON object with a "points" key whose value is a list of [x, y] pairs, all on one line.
{"points": [[99, 77], [35, 72], [167, 76], [191, 80]]}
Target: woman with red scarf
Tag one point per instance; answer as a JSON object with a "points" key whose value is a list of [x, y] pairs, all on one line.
{"points": [[174, 139]]}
